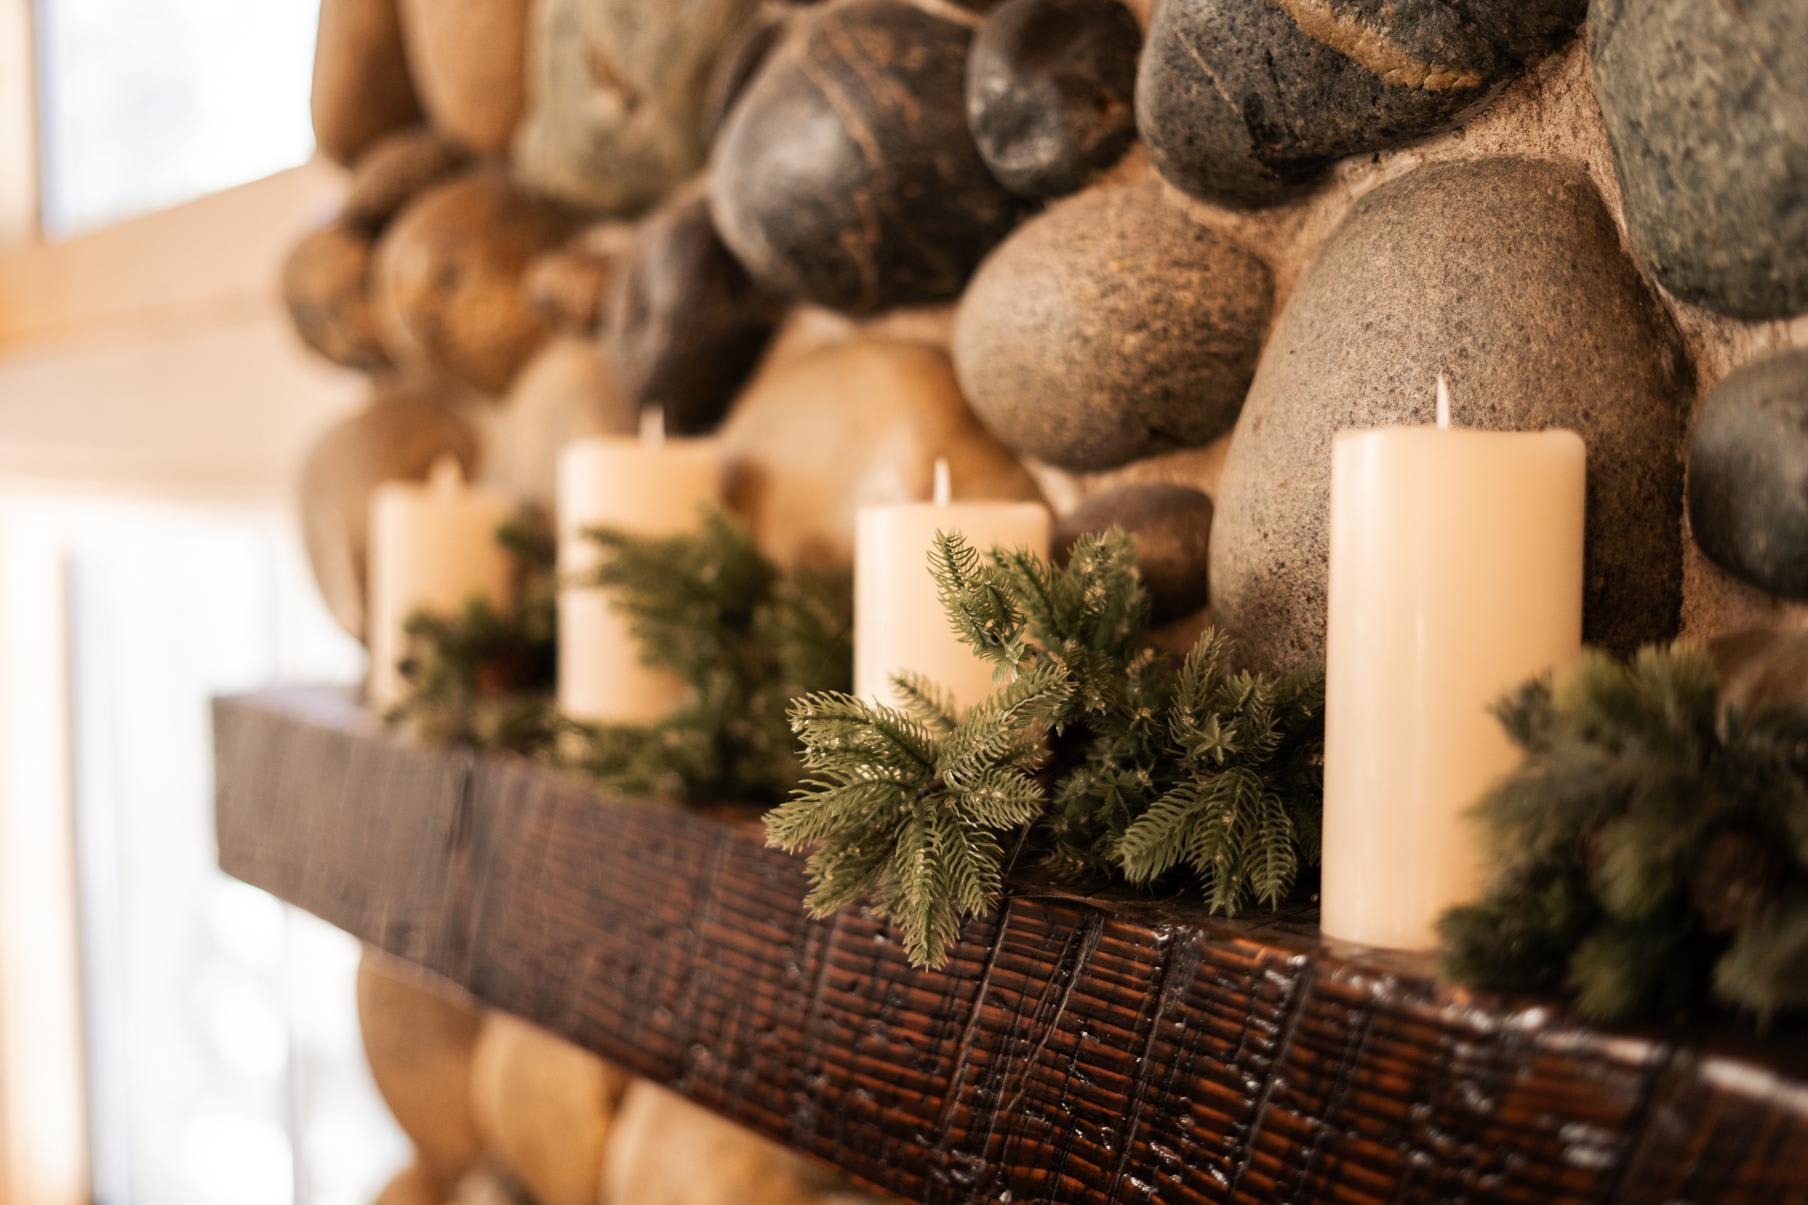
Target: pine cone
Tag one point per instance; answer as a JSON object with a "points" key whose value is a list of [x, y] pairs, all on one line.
{"points": [[1735, 879]]}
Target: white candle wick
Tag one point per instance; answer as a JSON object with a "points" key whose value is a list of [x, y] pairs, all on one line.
{"points": [[445, 476], [1443, 403], [943, 491], [652, 426]]}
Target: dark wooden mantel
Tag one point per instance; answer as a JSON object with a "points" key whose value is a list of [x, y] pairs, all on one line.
{"points": [[1075, 1050]]}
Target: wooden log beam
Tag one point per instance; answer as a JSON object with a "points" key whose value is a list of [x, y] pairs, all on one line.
{"points": [[1075, 1049]]}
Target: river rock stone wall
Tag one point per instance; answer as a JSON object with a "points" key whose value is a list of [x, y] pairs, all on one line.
{"points": [[864, 233]]}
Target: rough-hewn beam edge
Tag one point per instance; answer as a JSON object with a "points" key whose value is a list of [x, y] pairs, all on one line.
{"points": [[1075, 1049]]}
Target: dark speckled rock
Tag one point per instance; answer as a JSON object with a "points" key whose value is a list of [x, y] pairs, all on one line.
{"points": [[1748, 475], [1506, 274], [1111, 327], [845, 173], [1706, 104], [1172, 527], [685, 324], [1049, 86], [1242, 100]]}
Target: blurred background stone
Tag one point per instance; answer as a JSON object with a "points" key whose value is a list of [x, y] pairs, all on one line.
{"points": [[1049, 86], [543, 1108], [1111, 327], [467, 60], [1706, 105], [1748, 474], [448, 273], [816, 436], [685, 322], [1507, 275], [420, 1037], [361, 85], [845, 173], [397, 436], [616, 101], [326, 286], [392, 170]]}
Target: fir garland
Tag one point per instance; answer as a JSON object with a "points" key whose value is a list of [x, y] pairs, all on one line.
{"points": [[1099, 754], [742, 635], [1652, 848], [484, 676]]}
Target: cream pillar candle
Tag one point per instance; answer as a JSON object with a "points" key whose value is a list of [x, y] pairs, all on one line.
{"points": [[1456, 574], [433, 547], [898, 619], [647, 486]]}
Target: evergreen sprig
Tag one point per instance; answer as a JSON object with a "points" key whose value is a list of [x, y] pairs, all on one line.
{"points": [[484, 675], [1650, 850], [743, 637], [1097, 753]]}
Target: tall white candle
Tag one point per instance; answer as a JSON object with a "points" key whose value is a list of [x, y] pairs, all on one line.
{"points": [[433, 548], [1456, 574], [898, 619], [645, 486]]}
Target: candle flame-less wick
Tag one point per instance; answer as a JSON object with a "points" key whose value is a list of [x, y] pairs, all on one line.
{"points": [[1443, 403], [944, 486], [652, 426]]}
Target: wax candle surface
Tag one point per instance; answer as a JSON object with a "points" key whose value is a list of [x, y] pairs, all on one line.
{"points": [[898, 618], [647, 486], [1456, 574], [433, 548]]}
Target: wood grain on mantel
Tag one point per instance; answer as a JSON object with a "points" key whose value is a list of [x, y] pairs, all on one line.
{"points": [[1074, 1049]]}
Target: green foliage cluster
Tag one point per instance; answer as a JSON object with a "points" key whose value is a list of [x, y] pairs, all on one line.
{"points": [[1100, 755], [744, 637], [1651, 849], [741, 635], [484, 675]]}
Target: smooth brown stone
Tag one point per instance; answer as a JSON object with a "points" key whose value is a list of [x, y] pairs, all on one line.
{"points": [[568, 390], [543, 1108], [420, 1037], [448, 278], [1112, 327], [326, 287], [361, 88], [392, 171], [862, 421], [468, 62], [398, 435]]}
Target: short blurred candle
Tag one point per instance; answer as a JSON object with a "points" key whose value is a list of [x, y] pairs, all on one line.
{"points": [[433, 548], [899, 623], [645, 486], [1456, 574]]}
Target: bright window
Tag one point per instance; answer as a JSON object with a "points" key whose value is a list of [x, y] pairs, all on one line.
{"points": [[147, 103]]}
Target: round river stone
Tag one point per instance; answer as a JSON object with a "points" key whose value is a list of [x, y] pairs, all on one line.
{"points": [[1112, 327], [1706, 104], [1748, 475], [1172, 526], [1507, 275]]}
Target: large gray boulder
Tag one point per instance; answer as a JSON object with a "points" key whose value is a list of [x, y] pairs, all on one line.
{"points": [[1507, 275], [1706, 104]]}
